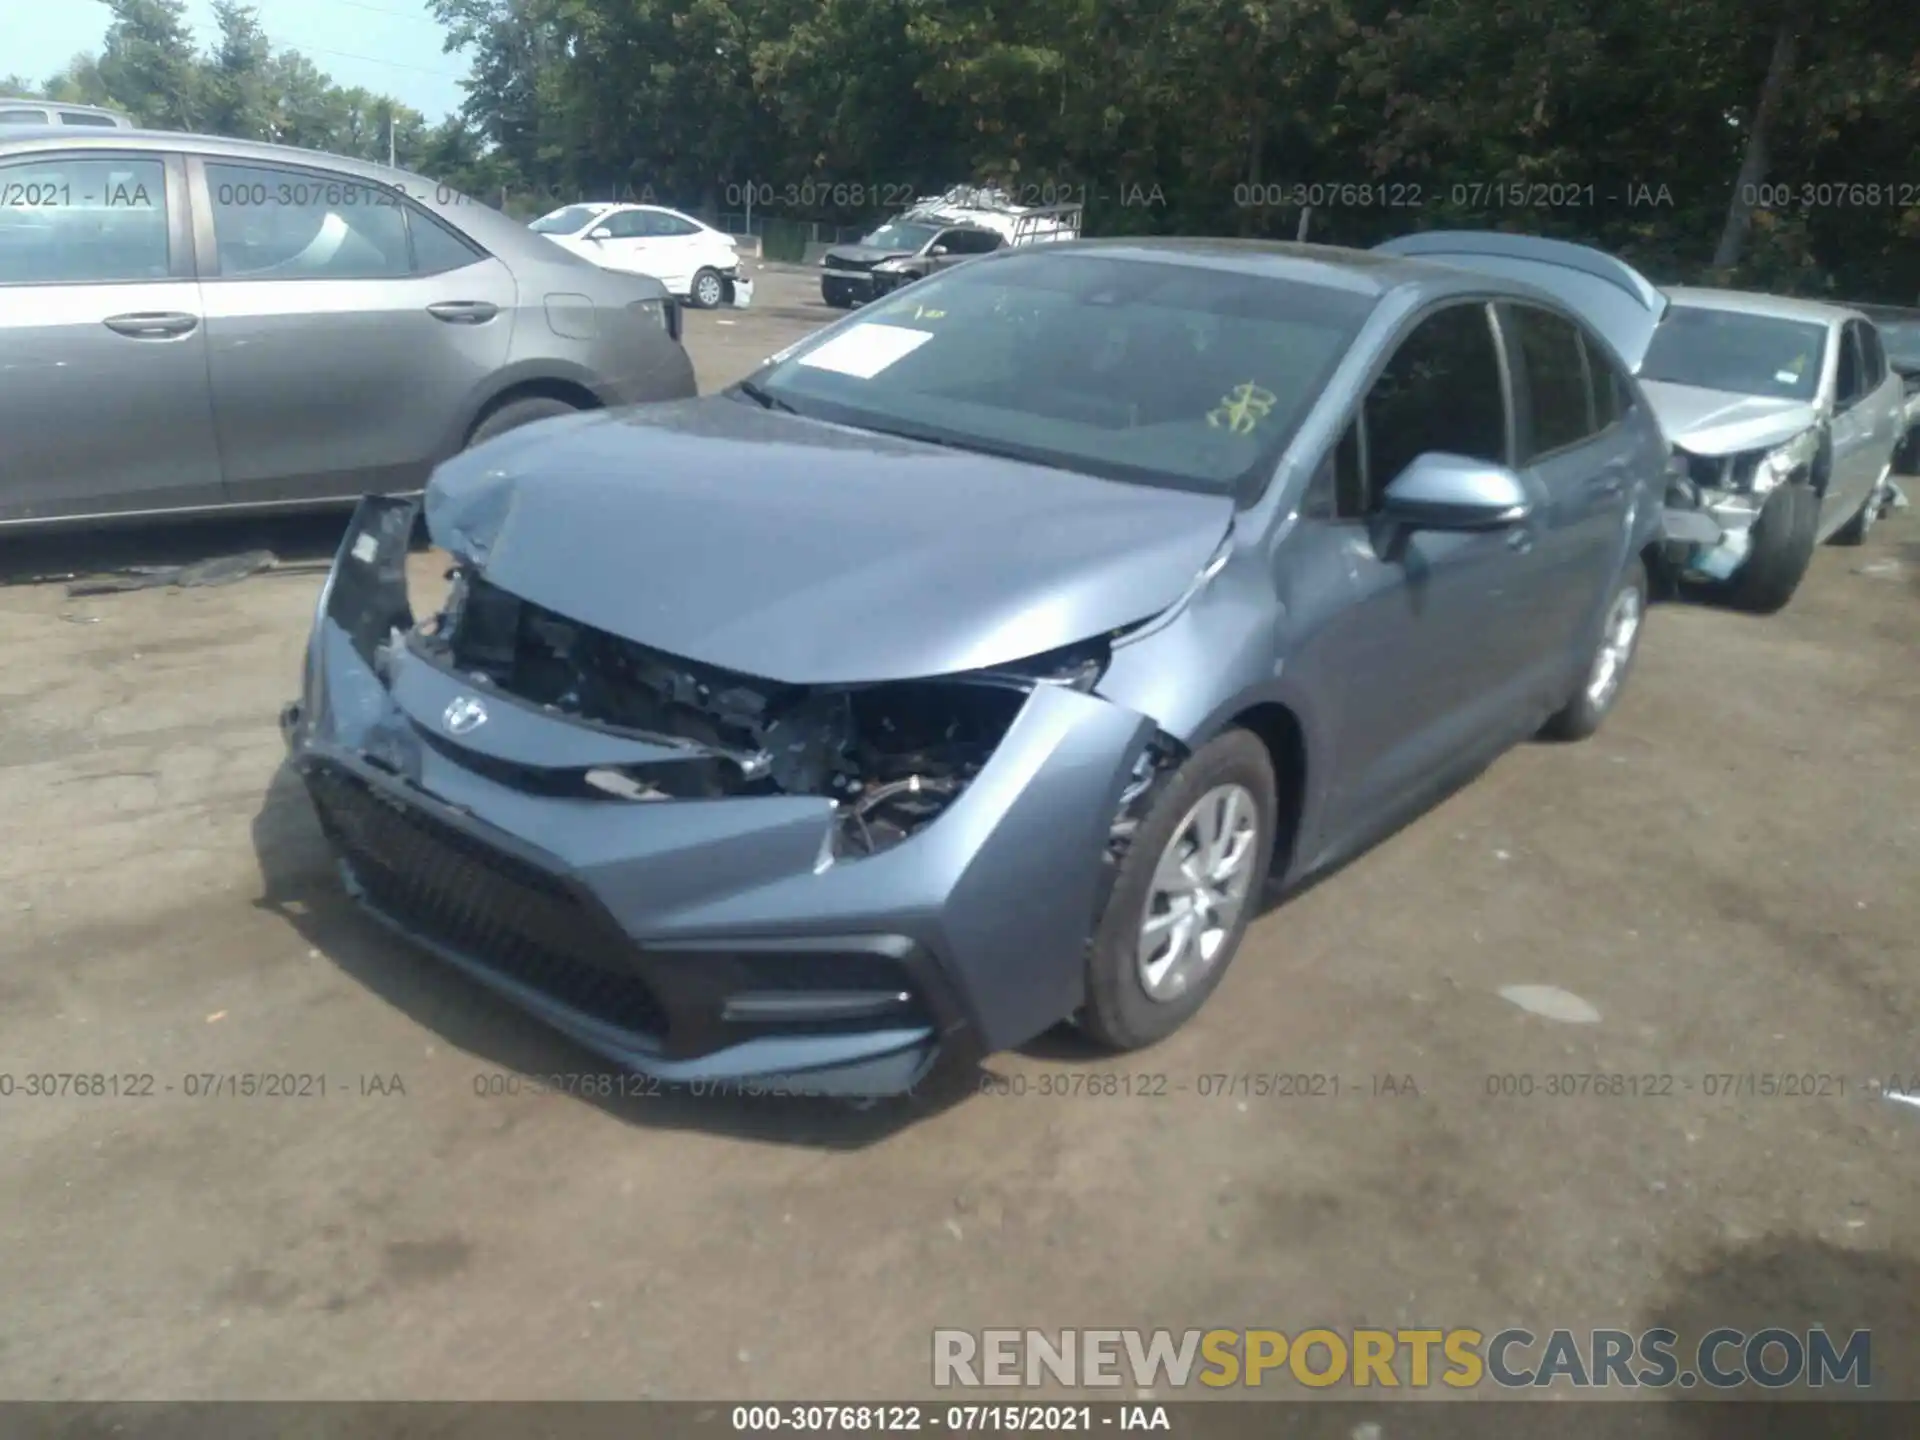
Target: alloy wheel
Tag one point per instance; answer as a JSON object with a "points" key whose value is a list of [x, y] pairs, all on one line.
{"points": [[1617, 638], [1198, 890]]}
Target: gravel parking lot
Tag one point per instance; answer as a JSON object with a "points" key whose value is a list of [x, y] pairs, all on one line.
{"points": [[1727, 875]]}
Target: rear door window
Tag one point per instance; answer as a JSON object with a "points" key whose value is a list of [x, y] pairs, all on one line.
{"points": [[277, 223], [1559, 411]]}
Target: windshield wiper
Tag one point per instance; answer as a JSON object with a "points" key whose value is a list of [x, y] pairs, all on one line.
{"points": [[972, 447], [764, 398]]}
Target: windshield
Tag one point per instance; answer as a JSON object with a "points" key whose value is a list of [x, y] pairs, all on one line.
{"points": [[1732, 350], [564, 221], [1165, 374], [900, 237]]}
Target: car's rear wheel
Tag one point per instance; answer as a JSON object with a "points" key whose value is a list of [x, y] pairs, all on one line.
{"points": [[1781, 549], [707, 290], [1187, 888], [515, 413], [1855, 531], [1606, 672]]}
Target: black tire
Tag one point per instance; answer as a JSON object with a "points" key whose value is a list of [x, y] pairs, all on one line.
{"points": [[1782, 549], [1119, 1013], [1583, 713], [515, 413], [1855, 531], [709, 280], [1906, 458]]}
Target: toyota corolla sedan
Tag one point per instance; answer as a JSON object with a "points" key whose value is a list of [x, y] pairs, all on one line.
{"points": [[190, 323], [980, 661]]}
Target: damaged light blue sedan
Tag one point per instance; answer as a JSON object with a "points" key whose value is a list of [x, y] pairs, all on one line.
{"points": [[981, 661]]}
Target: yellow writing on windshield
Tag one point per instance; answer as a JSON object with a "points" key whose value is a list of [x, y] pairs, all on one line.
{"points": [[1242, 408]]}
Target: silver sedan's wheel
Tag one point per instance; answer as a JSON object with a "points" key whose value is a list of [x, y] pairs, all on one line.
{"points": [[1188, 884], [1598, 687], [1617, 638], [1199, 888]]}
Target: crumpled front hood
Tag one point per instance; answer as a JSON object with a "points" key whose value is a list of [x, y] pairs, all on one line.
{"points": [[1723, 422], [809, 553]]}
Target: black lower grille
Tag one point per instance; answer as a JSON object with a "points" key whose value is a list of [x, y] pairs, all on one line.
{"points": [[491, 907]]}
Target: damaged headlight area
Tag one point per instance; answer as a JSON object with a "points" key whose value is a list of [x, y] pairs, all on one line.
{"points": [[1750, 472], [891, 757]]}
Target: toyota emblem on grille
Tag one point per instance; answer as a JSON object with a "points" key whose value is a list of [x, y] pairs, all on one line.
{"points": [[464, 714]]}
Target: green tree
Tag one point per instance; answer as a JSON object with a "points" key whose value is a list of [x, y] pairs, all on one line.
{"points": [[237, 77], [147, 63]]}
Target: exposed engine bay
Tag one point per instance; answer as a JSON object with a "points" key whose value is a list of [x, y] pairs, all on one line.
{"points": [[890, 756]]}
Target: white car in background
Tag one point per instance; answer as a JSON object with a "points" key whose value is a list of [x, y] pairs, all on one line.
{"points": [[692, 260]]}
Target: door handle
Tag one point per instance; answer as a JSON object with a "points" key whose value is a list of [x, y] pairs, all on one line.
{"points": [[152, 324], [463, 312], [1609, 485], [1520, 541]]}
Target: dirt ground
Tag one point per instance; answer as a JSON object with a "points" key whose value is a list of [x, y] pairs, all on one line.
{"points": [[1727, 874]]}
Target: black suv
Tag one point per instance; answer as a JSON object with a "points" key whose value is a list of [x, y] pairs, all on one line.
{"points": [[898, 252]]}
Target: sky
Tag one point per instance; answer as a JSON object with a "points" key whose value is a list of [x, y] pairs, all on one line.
{"points": [[389, 46]]}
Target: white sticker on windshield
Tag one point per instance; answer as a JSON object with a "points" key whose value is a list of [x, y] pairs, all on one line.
{"points": [[1784, 377], [865, 350]]}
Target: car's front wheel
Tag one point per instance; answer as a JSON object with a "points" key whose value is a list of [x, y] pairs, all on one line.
{"points": [[1187, 888], [1781, 549], [708, 290], [1606, 672]]}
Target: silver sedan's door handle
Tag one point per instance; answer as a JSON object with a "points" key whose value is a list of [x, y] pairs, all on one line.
{"points": [[463, 312], [152, 324], [1520, 540]]}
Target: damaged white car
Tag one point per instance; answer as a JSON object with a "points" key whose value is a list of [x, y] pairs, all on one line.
{"points": [[1783, 414]]}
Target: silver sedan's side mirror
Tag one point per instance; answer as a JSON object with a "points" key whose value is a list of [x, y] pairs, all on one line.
{"points": [[1451, 492]]}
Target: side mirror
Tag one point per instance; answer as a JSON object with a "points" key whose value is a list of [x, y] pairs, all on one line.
{"points": [[937, 251], [1450, 492], [605, 232]]}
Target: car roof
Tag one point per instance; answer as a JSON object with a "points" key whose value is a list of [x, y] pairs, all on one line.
{"points": [[66, 137], [1876, 311], [1363, 272], [651, 209], [30, 102], [1746, 302], [492, 229]]}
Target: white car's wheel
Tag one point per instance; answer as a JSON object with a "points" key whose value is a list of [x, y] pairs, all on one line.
{"points": [[708, 290]]}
